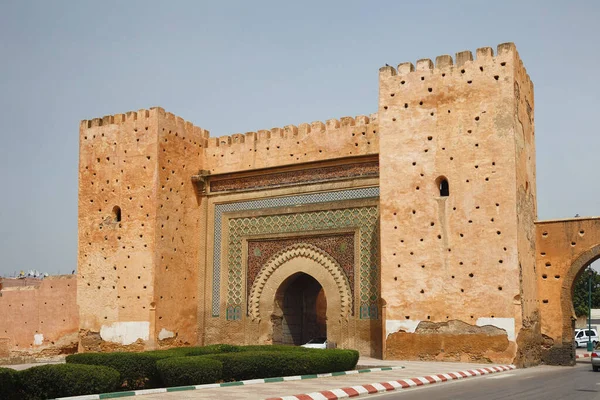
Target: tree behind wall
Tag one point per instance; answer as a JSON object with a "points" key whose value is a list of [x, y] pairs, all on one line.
{"points": [[580, 292]]}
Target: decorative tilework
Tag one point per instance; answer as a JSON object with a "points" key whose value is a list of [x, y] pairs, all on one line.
{"points": [[339, 247], [363, 169], [313, 198], [363, 218], [308, 252]]}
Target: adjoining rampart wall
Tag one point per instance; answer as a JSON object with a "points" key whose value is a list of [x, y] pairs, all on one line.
{"points": [[39, 320], [346, 137]]}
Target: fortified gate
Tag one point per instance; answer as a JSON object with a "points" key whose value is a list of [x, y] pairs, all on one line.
{"points": [[407, 233]]}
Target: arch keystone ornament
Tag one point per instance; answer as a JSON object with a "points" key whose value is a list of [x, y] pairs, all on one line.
{"points": [[330, 274]]}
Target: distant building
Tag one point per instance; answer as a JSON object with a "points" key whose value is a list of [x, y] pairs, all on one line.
{"points": [[582, 322]]}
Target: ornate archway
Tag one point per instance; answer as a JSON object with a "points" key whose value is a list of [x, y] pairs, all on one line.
{"points": [[310, 260], [300, 311]]}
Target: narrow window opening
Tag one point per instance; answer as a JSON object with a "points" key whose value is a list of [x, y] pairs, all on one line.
{"points": [[443, 186], [116, 214]]}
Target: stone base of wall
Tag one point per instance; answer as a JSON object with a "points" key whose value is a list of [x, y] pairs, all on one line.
{"points": [[529, 340], [90, 341], [51, 352], [559, 354]]}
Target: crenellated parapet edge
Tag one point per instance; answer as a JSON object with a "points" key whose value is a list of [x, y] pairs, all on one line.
{"points": [[293, 131], [145, 116], [447, 65], [288, 131]]}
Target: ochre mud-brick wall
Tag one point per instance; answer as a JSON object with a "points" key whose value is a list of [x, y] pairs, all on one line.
{"points": [[317, 141], [456, 255], [39, 319]]}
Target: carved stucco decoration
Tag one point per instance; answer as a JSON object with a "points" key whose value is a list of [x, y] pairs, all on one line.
{"points": [[294, 251]]}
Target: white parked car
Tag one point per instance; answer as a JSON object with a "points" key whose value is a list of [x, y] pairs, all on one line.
{"points": [[581, 337], [316, 343]]}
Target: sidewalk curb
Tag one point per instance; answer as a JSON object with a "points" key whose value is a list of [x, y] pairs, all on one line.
{"points": [[585, 355], [360, 390], [115, 395]]}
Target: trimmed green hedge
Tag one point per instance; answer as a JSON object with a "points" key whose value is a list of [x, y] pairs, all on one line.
{"points": [[269, 364], [272, 347], [138, 370], [141, 371], [9, 384], [194, 370], [61, 380], [195, 351]]}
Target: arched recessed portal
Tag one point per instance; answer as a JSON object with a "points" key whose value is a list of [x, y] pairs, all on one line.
{"points": [[303, 262], [302, 309]]}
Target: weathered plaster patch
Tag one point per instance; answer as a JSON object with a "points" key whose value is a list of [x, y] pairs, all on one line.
{"points": [[395, 325], [453, 340], [125, 332], [38, 339], [165, 334], [508, 324]]}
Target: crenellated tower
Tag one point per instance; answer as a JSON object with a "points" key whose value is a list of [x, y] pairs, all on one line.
{"points": [[457, 202], [138, 230]]}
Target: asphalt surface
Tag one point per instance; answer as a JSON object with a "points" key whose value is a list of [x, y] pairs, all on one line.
{"points": [[543, 382]]}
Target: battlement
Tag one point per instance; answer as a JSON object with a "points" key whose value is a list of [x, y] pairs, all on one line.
{"points": [[293, 144], [446, 65], [142, 115], [291, 131]]}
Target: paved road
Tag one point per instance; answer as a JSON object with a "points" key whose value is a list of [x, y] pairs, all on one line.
{"points": [[544, 383]]}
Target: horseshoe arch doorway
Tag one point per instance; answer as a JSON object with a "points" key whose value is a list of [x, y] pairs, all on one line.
{"points": [[300, 310]]}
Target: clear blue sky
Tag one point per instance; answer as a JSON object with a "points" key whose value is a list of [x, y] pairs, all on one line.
{"points": [[238, 66]]}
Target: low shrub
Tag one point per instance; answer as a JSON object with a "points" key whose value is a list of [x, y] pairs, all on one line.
{"points": [[138, 370], [333, 360], [193, 370], [9, 384], [273, 347], [61, 380], [212, 349], [268, 364], [195, 351]]}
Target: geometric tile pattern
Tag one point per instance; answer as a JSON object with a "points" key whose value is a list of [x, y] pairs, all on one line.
{"points": [[312, 198], [362, 218]]}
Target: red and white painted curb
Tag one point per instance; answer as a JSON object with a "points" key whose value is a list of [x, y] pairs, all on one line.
{"points": [[360, 390], [583, 355]]}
